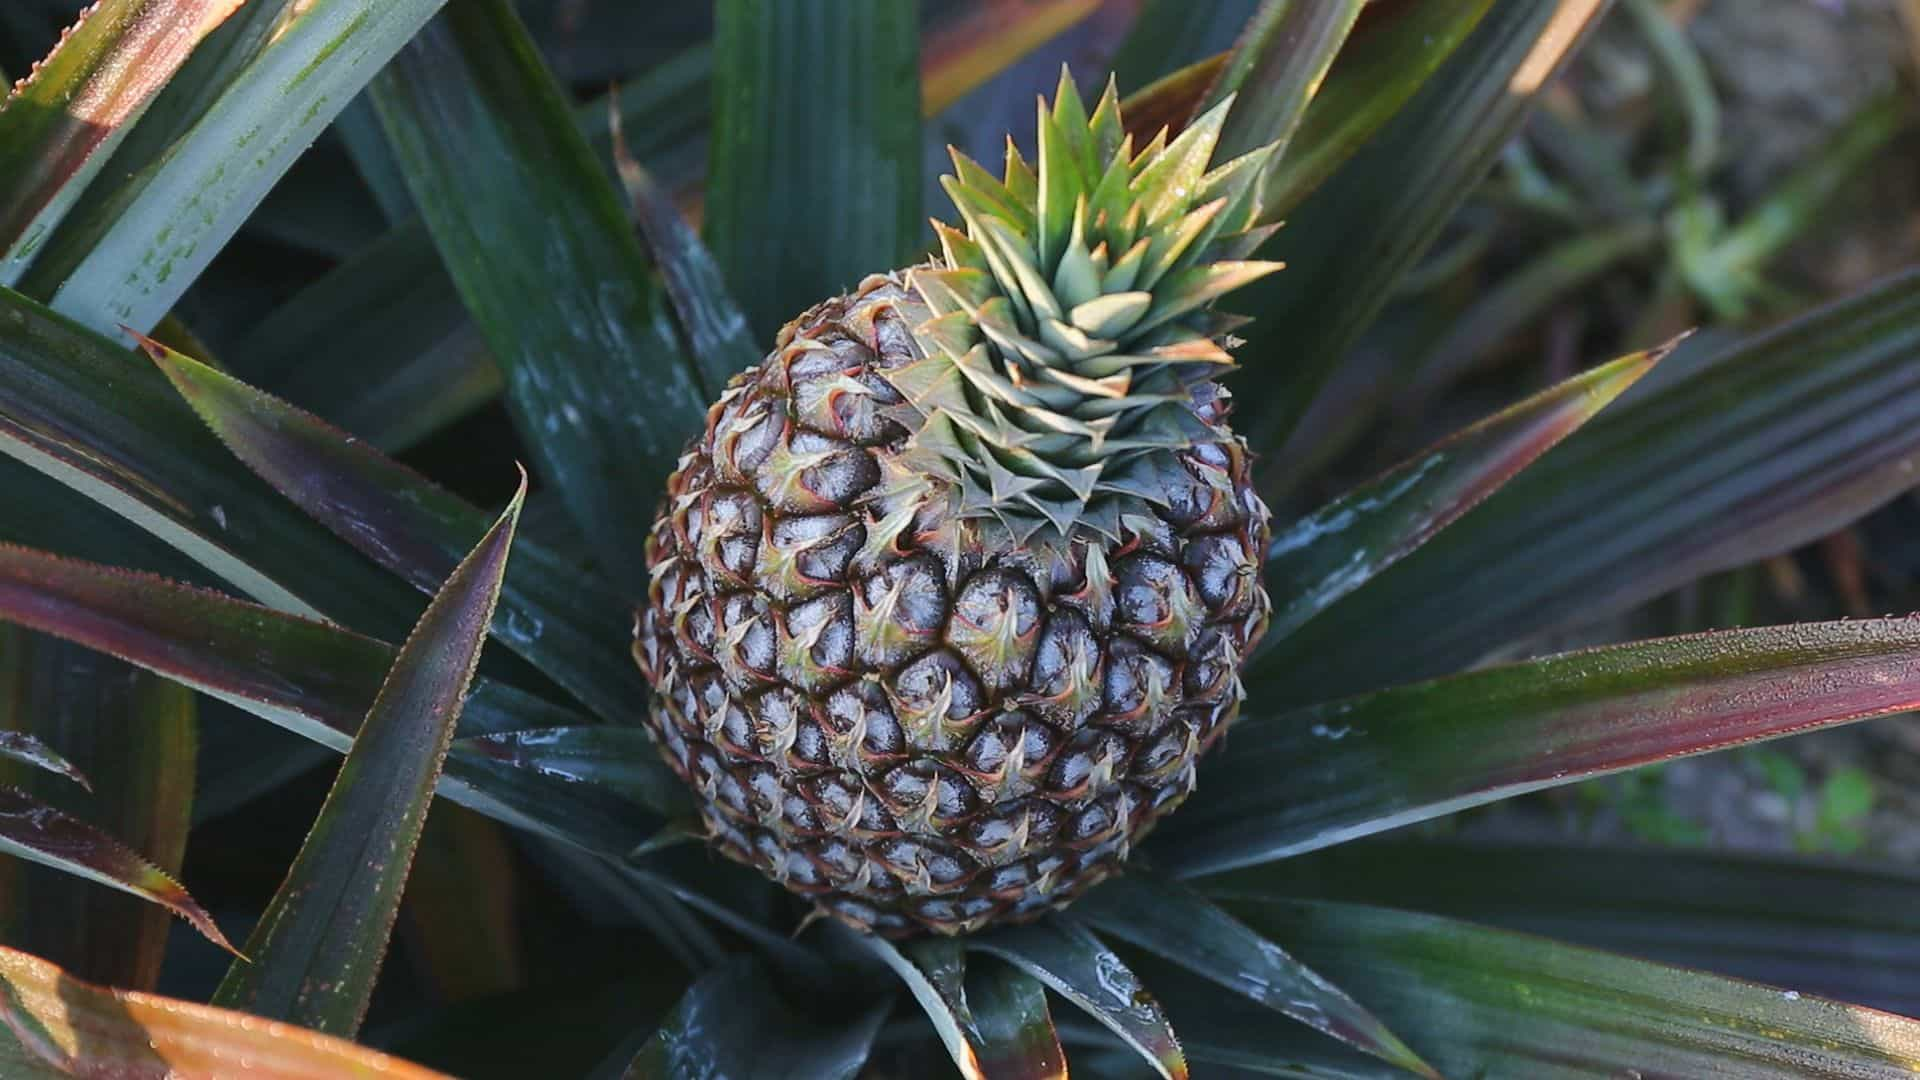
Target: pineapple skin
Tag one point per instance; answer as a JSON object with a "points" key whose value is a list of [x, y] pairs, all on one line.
{"points": [[896, 711]]}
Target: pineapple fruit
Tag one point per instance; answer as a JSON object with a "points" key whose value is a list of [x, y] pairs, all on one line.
{"points": [[952, 593]]}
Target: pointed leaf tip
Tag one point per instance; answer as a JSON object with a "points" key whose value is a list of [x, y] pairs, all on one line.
{"points": [[23, 747]]}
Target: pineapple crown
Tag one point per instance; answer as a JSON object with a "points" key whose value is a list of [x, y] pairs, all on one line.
{"points": [[1070, 338]]}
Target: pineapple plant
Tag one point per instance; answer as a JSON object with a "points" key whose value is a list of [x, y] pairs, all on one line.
{"points": [[926, 606], [954, 590]]}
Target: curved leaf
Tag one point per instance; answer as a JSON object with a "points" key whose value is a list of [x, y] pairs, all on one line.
{"points": [[1065, 956], [35, 831], [1370, 763], [314, 955], [58, 126], [1275, 67], [21, 746], [994, 1023], [732, 1024], [596, 383], [129, 262], [60, 1024], [419, 530], [1843, 929], [1168, 919], [1482, 1002], [622, 760], [310, 678], [1334, 550]]}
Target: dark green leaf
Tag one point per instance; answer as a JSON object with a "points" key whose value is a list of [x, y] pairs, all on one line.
{"points": [[22, 746], [1167, 918], [560, 618], [311, 678], [128, 262], [1334, 550], [1065, 956], [1168, 35], [1366, 225], [993, 1022], [1482, 1002], [1362, 765], [733, 1024], [622, 760], [59, 125], [313, 957], [56, 1025], [1276, 66], [1715, 460], [598, 388], [814, 180]]}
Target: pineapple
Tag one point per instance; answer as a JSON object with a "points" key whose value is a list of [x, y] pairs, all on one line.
{"points": [[952, 593]]}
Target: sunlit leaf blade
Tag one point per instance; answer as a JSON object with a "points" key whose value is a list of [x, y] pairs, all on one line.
{"points": [[58, 127], [136, 737], [733, 1024], [623, 760], [715, 327], [1366, 225], [1168, 35], [993, 1020], [563, 620], [1481, 1002], [1362, 765], [1168, 919], [1276, 66], [1334, 550], [1391, 53], [104, 422], [1843, 929], [313, 679], [51, 1023], [1716, 459], [21, 746], [803, 163], [597, 385], [314, 955], [131, 262], [1169, 101], [978, 44], [33, 830], [1077, 966]]}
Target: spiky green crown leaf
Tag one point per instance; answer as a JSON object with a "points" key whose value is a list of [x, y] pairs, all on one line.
{"points": [[1070, 336]]}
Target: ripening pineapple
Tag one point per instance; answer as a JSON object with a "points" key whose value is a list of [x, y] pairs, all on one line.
{"points": [[952, 594]]}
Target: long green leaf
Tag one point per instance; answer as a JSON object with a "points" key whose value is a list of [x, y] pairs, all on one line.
{"points": [[621, 760], [563, 620], [136, 737], [1844, 929], [314, 955], [31, 749], [60, 124], [814, 179], [993, 1023], [732, 1024], [1366, 225], [598, 387], [1166, 918], [107, 424], [310, 678], [130, 262], [1065, 956], [1482, 1002], [1362, 765], [1276, 67], [1716, 459], [1334, 550], [52, 1024]]}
